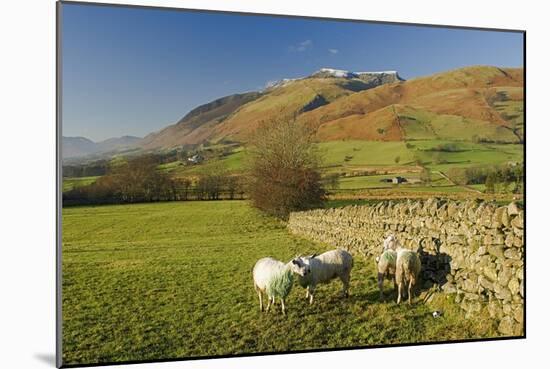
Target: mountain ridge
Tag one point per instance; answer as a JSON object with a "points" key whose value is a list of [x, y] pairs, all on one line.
{"points": [[474, 102], [78, 146], [242, 112]]}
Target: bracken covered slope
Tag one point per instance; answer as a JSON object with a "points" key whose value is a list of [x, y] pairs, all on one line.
{"points": [[477, 102]]}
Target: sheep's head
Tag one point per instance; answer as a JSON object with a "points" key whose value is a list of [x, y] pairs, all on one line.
{"points": [[300, 266], [391, 243]]}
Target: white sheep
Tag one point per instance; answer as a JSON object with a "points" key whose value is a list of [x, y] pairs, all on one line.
{"points": [[385, 265], [323, 268], [275, 279], [391, 243], [407, 269]]}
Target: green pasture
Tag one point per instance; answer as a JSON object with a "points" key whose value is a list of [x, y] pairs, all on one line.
{"points": [[423, 124], [374, 181], [173, 280], [70, 183], [368, 153]]}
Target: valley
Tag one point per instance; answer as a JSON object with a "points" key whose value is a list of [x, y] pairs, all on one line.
{"points": [[371, 129]]}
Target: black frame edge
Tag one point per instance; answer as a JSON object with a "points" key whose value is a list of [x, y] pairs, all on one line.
{"points": [[58, 193]]}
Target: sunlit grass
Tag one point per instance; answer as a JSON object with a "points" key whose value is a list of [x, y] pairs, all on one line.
{"points": [[169, 280]]}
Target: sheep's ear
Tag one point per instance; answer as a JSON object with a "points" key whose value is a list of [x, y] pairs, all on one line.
{"points": [[295, 262], [312, 256]]}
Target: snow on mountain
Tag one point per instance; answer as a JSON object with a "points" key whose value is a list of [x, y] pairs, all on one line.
{"points": [[338, 73], [382, 72], [279, 83], [377, 77]]}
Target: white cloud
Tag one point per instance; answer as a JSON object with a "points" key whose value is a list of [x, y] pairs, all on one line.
{"points": [[301, 46], [333, 51]]}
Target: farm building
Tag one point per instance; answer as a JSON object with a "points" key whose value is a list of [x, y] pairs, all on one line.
{"points": [[394, 180], [397, 180], [195, 159]]}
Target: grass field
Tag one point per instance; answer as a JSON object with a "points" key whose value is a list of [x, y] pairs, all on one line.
{"points": [[368, 153], [72, 183], [172, 280], [362, 164], [352, 156]]}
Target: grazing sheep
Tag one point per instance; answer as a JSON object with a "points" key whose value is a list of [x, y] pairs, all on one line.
{"points": [[385, 264], [275, 279], [323, 268], [407, 271]]}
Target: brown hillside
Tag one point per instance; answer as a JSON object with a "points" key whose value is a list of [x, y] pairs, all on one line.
{"points": [[466, 92], [380, 125], [481, 101], [198, 124], [290, 100]]}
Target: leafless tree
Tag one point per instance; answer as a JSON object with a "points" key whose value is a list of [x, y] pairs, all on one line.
{"points": [[283, 173]]}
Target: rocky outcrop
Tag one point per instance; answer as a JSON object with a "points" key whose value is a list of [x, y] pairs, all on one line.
{"points": [[474, 250]]}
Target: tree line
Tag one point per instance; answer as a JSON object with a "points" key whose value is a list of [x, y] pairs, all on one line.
{"points": [[497, 179], [139, 180]]}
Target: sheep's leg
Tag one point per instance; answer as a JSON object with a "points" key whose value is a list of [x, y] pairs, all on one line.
{"points": [[399, 291], [345, 285], [311, 294], [261, 301], [283, 305], [307, 292], [411, 285], [269, 299], [381, 285]]}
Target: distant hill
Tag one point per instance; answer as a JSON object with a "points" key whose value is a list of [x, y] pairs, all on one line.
{"points": [[118, 143], [199, 123], [483, 102], [77, 146], [236, 116], [74, 147], [477, 102]]}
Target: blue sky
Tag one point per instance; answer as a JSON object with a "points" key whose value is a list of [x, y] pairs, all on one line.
{"points": [[132, 71]]}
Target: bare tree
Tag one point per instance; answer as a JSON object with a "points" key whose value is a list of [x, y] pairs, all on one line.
{"points": [[283, 168]]}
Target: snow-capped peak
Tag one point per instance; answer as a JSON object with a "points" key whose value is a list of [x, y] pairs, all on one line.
{"points": [[382, 72], [339, 73], [279, 83], [372, 78]]}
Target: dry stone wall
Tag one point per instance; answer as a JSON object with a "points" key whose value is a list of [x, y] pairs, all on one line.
{"points": [[474, 250]]}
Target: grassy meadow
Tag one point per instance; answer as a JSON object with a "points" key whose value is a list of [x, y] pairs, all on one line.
{"points": [[362, 165], [173, 280], [75, 182]]}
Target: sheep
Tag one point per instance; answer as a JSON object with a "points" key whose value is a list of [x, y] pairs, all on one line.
{"points": [[323, 268], [407, 270], [385, 264], [391, 243], [275, 279], [407, 267]]}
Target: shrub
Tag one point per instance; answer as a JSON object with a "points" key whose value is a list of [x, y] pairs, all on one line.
{"points": [[283, 168]]}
